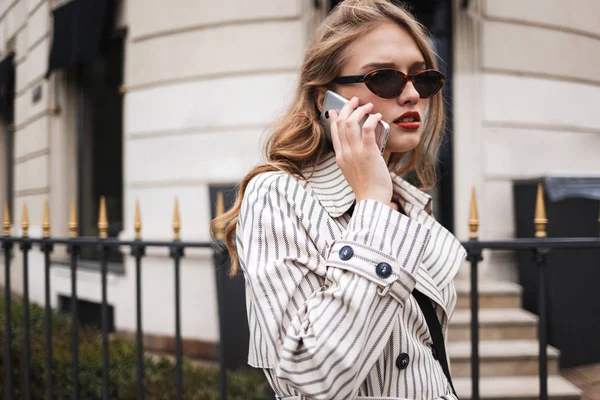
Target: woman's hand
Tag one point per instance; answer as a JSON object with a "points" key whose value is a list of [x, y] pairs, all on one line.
{"points": [[358, 156]]}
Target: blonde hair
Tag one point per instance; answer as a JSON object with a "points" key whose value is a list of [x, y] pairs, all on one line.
{"points": [[298, 141]]}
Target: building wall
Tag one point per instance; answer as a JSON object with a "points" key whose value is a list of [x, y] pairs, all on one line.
{"points": [[527, 92], [203, 83], [29, 21], [24, 30]]}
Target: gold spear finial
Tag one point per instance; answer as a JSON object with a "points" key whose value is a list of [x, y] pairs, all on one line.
{"points": [[6, 220], [137, 223], [25, 221], [176, 221], [73, 221], [220, 210], [540, 219], [46, 221], [473, 217], [102, 219]]}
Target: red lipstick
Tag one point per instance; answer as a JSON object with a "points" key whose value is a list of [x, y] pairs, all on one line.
{"points": [[410, 120]]}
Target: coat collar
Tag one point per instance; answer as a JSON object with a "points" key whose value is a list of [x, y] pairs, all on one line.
{"points": [[336, 195]]}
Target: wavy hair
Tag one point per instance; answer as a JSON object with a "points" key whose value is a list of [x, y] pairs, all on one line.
{"points": [[298, 142]]}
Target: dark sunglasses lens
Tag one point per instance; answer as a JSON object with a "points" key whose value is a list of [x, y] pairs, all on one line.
{"points": [[386, 83], [428, 83]]}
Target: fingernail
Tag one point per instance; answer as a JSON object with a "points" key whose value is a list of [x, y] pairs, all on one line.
{"points": [[327, 114]]}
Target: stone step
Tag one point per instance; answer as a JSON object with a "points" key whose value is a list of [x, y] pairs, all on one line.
{"points": [[501, 358], [517, 387], [494, 324], [492, 294]]}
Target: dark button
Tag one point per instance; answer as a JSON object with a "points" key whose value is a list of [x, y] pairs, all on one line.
{"points": [[402, 361], [346, 253], [434, 352], [383, 270]]}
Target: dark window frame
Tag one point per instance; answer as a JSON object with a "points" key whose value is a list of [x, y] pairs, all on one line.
{"points": [[90, 258], [9, 164], [7, 116]]}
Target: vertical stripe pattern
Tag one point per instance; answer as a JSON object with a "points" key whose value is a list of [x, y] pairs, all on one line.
{"points": [[328, 293]]}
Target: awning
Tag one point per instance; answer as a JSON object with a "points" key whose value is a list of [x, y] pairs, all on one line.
{"points": [[80, 32], [560, 186], [573, 185], [7, 87]]}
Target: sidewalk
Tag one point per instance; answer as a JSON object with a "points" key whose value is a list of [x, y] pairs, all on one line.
{"points": [[587, 378]]}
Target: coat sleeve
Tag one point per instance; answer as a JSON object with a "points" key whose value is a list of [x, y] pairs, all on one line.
{"points": [[324, 343]]}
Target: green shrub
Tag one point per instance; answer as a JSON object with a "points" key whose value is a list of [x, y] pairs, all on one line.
{"points": [[199, 382]]}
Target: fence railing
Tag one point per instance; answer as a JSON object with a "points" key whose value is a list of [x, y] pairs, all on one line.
{"points": [[540, 247], [137, 248]]}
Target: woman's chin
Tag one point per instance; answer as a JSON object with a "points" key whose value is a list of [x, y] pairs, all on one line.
{"points": [[403, 143]]}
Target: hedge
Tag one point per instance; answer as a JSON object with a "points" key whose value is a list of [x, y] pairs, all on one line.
{"points": [[200, 382]]}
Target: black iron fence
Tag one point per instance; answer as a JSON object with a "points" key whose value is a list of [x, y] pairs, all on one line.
{"points": [[539, 247], [137, 248]]}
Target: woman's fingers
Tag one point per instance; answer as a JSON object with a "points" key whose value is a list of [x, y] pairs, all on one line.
{"points": [[360, 113], [348, 108], [353, 130], [357, 154], [335, 138], [368, 130], [341, 120], [346, 135], [345, 112]]}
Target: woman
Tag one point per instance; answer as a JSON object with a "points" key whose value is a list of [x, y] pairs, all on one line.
{"points": [[333, 243]]}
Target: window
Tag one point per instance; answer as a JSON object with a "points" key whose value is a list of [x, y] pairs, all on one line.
{"points": [[7, 131], [7, 142], [88, 313], [100, 145]]}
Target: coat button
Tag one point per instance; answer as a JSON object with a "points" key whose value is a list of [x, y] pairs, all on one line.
{"points": [[346, 253], [383, 270], [402, 361]]}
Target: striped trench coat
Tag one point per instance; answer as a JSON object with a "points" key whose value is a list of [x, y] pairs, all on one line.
{"points": [[328, 293]]}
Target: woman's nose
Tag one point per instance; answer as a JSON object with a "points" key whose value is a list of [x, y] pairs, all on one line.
{"points": [[409, 94]]}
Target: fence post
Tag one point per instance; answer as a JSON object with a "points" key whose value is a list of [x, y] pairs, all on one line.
{"points": [[176, 253], [540, 256], [25, 246], [7, 245], [474, 256], [73, 250], [46, 247], [220, 261], [138, 251], [102, 234]]}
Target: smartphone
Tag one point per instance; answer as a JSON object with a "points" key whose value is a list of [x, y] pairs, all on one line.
{"points": [[334, 101]]}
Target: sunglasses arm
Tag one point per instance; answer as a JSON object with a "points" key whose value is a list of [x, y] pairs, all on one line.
{"points": [[350, 79]]}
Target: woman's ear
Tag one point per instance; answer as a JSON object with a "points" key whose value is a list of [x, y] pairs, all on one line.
{"points": [[320, 97]]}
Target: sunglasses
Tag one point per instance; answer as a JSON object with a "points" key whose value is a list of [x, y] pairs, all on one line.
{"points": [[389, 83]]}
